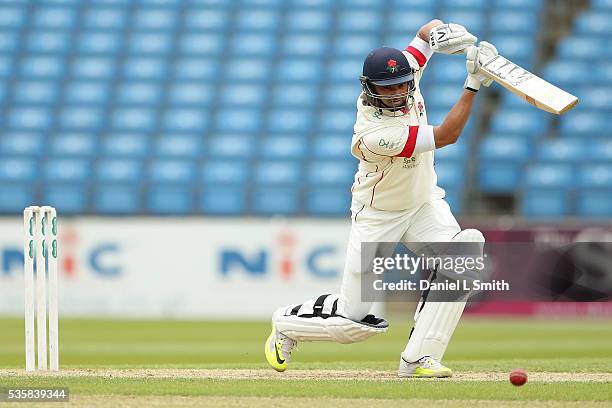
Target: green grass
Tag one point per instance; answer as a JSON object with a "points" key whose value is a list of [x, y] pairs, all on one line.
{"points": [[478, 345]]}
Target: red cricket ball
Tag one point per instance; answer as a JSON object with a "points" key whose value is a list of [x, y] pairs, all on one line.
{"points": [[518, 377]]}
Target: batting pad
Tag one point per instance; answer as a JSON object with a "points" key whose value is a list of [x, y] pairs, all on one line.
{"points": [[317, 320], [435, 322]]}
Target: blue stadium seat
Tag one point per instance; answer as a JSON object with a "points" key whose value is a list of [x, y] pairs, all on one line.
{"points": [[73, 144], [328, 201], [48, 41], [561, 73], [284, 147], [223, 172], [515, 48], [87, 92], [594, 204], [204, 68], [133, 119], [81, 118], [21, 144], [35, 92], [469, 4], [185, 120], [344, 69], [243, 120], [600, 150], [337, 120], [534, 5], [67, 199], [587, 123], [596, 176], [306, 70], [276, 201], [206, 44], [275, 172], [308, 20], [354, 45], [603, 73], [289, 120], [177, 145], [154, 43], [259, 70], [601, 4], [144, 68], [117, 199], [258, 19], [561, 150], [15, 197], [518, 121], [143, 92], [94, 68], [356, 19], [68, 170], [537, 203], [511, 21], [190, 93], [172, 172], [105, 18], [236, 146], [18, 170], [455, 152], [451, 174], [583, 48], [54, 17], [415, 4], [594, 23], [595, 97], [450, 71], [29, 118], [370, 5], [206, 19], [472, 19], [445, 96], [170, 200], [44, 67], [343, 95], [119, 171], [405, 22], [155, 19], [332, 147], [287, 94], [11, 17], [254, 44], [499, 177], [222, 200], [6, 66], [126, 144], [510, 147], [551, 176], [99, 43], [245, 94], [331, 172], [304, 45]]}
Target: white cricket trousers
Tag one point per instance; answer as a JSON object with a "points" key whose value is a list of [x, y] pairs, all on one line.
{"points": [[432, 222]]}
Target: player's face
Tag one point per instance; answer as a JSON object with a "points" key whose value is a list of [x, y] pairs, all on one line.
{"points": [[399, 89]]}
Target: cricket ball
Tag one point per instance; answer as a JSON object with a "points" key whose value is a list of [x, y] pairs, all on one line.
{"points": [[518, 377]]}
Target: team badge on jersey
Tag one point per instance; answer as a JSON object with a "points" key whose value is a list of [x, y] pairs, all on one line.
{"points": [[421, 108], [392, 66]]}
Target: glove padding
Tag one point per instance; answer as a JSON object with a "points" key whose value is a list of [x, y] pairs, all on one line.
{"points": [[450, 38], [475, 57]]}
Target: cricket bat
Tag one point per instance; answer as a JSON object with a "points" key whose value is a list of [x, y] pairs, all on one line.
{"points": [[530, 87]]}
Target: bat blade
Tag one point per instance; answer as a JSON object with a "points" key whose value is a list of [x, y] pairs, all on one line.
{"points": [[528, 86]]}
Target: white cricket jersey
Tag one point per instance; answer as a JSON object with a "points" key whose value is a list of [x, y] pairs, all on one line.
{"points": [[396, 154]]}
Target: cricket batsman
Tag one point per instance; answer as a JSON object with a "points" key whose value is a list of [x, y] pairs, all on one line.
{"points": [[395, 198]]}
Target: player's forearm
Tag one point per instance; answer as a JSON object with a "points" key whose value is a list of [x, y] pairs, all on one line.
{"points": [[450, 129], [424, 31]]}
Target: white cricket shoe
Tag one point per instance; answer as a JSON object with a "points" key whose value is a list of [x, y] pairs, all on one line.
{"points": [[425, 367]]}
